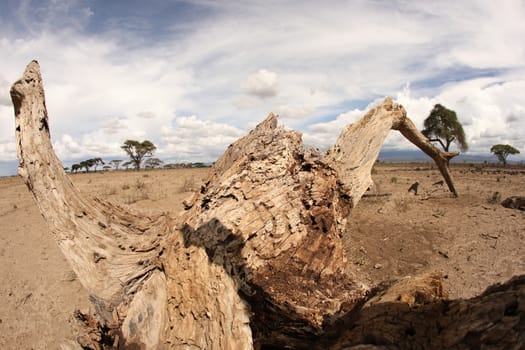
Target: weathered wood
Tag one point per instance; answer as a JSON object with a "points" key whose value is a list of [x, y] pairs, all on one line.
{"points": [[272, 215], [411, 314], [119, 255], [256, 259], [357, 148]]}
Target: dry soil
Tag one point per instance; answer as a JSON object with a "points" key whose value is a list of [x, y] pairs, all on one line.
{"points": [[391, 233]]}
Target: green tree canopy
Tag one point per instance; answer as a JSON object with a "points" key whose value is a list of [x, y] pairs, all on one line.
{"points": [[443, 126], [503, 151], [116, 163], [75, 168], [126, 164], [153, 163], [96, 162], [138, 150], [88, 163]]}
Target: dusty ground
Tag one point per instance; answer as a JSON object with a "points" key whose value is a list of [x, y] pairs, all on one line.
{"points": [[392, 233], [472, 239]]}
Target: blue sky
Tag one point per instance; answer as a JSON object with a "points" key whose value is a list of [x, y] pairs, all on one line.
{"points": [[193, 76]]}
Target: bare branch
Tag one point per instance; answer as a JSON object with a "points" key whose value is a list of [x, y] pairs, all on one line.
{"points": [[358, 146]]}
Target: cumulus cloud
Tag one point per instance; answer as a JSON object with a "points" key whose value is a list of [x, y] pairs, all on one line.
{"points": [[7, 150], [261, 84], [294, 112], [194, 139], [113, 125], [146, 115], [322, 135], [7, 133], [516, 115], [67, 146], [5, 98]]}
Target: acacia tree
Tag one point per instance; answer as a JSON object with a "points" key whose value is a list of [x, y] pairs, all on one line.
{"points": [[86, 164], [153, 163], [89, 163], [502, 152], [126, 164], [443, 126], [96, 162], [116, 163], [75, 168], [138, 150]]}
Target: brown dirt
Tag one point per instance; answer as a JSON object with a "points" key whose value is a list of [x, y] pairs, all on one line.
{"points": [[473, 239], [392, 233]]}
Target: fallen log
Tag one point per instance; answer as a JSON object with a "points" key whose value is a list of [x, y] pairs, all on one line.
{"points": [[255, 261]]}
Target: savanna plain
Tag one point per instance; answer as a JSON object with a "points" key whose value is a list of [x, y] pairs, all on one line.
{"points": [[473, 240]]}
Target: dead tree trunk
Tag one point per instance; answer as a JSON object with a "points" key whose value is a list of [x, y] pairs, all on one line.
{"points": [[256, 259]]}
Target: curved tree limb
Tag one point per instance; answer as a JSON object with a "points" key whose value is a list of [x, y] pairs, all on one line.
{"points": [[118, 254], [357, 148], [442, 159], [102, 242]]}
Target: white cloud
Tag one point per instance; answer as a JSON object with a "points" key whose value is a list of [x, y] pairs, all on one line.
{"points": [[7, 150], [493, 30], [38, 16], [113, 125], [69, 147], [7, 129], [146, 115], [294, 112], [5, 97], [323, 135], [194, 139], [262, 84]]}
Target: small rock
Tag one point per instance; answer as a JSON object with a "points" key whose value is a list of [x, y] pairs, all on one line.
{"points": [[70, 276], [378, 266], [443, 254]]}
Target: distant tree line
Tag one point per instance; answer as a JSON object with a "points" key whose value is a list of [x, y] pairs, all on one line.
{"points": [[141, 156], [87, 164], [185, 165]]}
